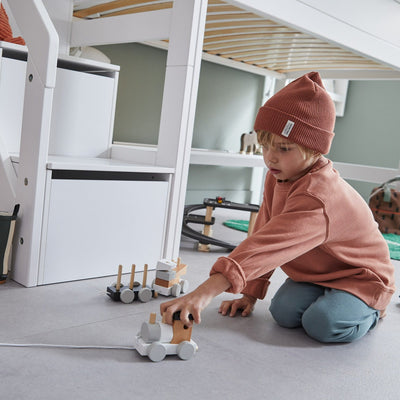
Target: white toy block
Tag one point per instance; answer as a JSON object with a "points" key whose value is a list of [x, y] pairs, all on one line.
{"points": [[156, 332], [165, 265], [173, 290], [165, 275]]}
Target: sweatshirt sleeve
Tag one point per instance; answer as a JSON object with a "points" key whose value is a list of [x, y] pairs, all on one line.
{"points": [[301, 226]]}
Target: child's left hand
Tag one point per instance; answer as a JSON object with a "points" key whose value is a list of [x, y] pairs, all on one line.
{"points": [[244, 304]]}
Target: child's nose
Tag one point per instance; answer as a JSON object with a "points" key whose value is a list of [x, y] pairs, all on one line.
{"points": [[271, 156]]}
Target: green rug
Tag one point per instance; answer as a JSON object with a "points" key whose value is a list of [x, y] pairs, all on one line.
{"points": [[237, 224], [393, 242]]}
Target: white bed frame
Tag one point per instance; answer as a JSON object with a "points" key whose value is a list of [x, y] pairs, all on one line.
{"points": [[183, 26]]}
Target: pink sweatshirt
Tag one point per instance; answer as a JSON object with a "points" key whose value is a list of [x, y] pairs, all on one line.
{"points": [[318, 229]]}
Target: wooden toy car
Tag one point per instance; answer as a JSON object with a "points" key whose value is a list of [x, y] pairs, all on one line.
{"points": [[157, 339], [135, 290], [168, 278]]}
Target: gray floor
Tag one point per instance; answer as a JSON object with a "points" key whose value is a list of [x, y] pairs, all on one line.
{"points": [[238, 358]]}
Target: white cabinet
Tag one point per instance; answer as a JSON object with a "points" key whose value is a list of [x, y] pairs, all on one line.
{"points": [[83, 105], [95, 212], [98, 220]]}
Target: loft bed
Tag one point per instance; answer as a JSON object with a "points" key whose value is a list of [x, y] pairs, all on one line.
{"points": [[279, 40]]}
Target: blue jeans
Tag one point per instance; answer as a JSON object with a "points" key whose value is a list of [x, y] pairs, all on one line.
{"points": [[327, 315]]}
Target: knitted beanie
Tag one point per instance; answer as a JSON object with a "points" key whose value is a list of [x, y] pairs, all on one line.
{"points": [[5, 29], [302, 112]]}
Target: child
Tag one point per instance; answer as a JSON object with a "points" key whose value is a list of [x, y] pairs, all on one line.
{"points": [[312, 224]]}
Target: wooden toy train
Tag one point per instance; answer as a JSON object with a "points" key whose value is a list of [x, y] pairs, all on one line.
{"points": [[157, 339], [168, 282]]}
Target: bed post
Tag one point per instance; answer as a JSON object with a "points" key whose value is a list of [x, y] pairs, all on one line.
{"points": [[42, 42], [179, 106]]}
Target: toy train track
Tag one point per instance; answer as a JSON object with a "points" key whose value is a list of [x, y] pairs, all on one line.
{"points": [[211, 204]]}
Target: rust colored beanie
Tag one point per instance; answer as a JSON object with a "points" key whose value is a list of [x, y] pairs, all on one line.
{"points": [[5, 29], [302, 112]]}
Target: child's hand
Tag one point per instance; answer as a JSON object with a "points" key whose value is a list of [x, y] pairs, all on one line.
{"points": [[195, 302], [192, 303], [231, 307]]}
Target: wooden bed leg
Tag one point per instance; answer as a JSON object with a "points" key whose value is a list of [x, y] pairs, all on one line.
{"points": [[207, 229], [252, 221]]}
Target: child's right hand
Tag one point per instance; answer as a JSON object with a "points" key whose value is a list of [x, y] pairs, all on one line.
{"points": [[244, 304]]}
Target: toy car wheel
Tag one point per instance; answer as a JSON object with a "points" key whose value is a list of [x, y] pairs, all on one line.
{"points": [[127, 295], [186, 350], [157, 352], [184, 286], [115, 285], [176, 290], [145, 295]]}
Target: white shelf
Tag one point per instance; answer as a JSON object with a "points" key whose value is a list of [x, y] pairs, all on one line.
{"points": [[225, 158], [197, 156], [98, 164]]}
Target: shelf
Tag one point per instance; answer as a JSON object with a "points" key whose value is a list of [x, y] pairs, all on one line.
{"points": [[225, 158], [98, 164], [197, 156]]}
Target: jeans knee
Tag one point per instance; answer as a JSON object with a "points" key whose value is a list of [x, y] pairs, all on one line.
{"points": [[284, 313], [318, 325]]}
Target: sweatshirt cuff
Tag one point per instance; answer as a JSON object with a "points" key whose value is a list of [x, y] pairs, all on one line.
{"points": [[256, 288], [232, 271]]}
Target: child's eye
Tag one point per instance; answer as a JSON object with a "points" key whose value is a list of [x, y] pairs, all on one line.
{"points": [[284, 149]]}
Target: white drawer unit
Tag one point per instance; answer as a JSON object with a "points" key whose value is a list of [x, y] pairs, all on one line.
{"points": [[95, 221]]}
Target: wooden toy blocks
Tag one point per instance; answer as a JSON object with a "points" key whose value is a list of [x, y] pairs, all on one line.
{"points": [[135, 290], [157, 339], [168, 278]]}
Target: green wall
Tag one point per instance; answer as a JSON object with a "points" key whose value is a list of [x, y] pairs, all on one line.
{"points": [[369, 133], [227, 103]]}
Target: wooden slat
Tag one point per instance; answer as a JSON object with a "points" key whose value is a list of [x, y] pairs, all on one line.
{"points": [[305, 58], [284, 51], [260, 44], [242, 23], [234, 16], [223, 8], [253, 31], [272, 39], [320, 64], [140, 9], [112, 5]]}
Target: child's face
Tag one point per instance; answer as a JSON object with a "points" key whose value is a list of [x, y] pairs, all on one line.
{"points": [[285, 161]]}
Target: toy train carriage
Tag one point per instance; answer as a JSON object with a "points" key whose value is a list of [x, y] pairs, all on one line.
{"points": [[135, 290], [168, 278], [157, 339]]}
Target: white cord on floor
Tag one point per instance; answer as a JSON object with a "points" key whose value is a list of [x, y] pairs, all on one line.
{"points": [[66, 346]]}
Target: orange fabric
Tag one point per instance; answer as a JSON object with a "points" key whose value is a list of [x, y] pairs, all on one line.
{"points": [[5, 29], [318, 230]]}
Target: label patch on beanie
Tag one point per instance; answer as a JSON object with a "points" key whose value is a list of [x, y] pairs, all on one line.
{"points": [[288, 128]]}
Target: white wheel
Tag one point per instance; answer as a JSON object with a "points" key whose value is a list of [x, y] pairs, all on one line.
{"points": [[157, 352], [145, 295], [186, 350], [184, 286], [176, 290], [127, 296]]}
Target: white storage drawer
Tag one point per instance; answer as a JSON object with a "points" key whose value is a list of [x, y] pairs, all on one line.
{"points": [[95, 221]]}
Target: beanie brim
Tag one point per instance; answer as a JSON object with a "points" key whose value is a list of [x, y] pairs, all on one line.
{"points": [[275, 121]]}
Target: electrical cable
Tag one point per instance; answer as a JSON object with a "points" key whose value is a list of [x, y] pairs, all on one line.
{"points": [[66, 346]]}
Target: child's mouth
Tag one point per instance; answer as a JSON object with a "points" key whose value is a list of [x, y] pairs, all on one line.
{"points": [[274, 171]]}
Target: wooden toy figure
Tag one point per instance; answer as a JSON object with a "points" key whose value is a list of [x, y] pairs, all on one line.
{"points": [[168, 278], [249, 143], [135, 290], [157, 339]]}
